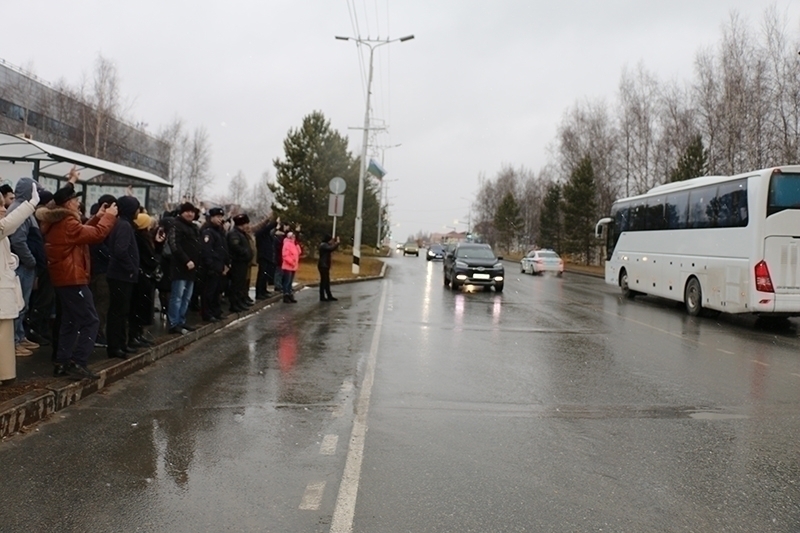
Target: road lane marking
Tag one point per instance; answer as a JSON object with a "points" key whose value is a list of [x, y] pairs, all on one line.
{"points": [[798, 375], [344, 511], [312, 497], [328, 446], [759, 363], [725, 351]]}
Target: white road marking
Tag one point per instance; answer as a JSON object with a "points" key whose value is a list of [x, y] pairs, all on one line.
{"points": [[328, 446], [725, 351], [798, 375], [760, 363], [344, 511], [312, 496]]}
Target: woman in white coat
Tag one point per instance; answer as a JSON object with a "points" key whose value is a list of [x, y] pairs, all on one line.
{"points": [[11, 302]]}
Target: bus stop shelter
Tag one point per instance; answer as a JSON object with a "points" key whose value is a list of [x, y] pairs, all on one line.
{"points": [[50, 165]]}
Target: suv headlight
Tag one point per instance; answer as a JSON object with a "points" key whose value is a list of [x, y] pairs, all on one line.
{"points": [[498, 266], [461, 264]]}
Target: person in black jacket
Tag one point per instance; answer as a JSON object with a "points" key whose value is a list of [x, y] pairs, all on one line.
{"points": [[241, 254], [184, 246], [144, 292], [326, 248], [216, 263], [99, 266], [122, 275], [265, 248]]}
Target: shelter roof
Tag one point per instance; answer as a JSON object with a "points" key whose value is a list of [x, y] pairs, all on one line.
{"points": [[57, 162]]}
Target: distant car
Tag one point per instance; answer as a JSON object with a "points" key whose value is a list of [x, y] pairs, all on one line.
{"points": [[539, 261], [399, 246], [410, 248], [435, 253], [473, 264]]}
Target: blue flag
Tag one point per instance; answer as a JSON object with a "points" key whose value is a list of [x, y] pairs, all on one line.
{"points": [[375, 169]]}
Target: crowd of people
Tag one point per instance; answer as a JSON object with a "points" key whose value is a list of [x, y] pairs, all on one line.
{"points": [[76, 283]]}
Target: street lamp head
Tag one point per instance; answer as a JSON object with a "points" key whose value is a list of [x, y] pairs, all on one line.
{"points": [[406, 38], [342, 38]]}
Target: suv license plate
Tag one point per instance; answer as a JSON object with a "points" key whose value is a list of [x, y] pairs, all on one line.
{"points": [[481, 276]]}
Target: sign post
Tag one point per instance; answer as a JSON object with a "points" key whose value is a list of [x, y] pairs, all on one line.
{"points": [[336, 200]]}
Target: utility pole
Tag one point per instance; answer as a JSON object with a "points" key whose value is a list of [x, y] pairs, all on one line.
{"points": [[372, 44]]}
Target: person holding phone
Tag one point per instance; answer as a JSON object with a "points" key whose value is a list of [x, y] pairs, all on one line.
{"points": [[326, 248]]}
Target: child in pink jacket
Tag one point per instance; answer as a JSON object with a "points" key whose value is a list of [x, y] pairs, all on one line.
{"points": [[291, 261]]}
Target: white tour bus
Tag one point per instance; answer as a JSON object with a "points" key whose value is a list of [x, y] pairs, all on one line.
{"points": [[726, 243]]}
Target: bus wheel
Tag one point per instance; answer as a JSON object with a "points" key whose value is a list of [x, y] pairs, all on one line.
{"points": [[623, 284], [693, 297]]}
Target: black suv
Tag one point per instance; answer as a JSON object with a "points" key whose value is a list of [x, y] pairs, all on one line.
{"points": [[473, 264]]}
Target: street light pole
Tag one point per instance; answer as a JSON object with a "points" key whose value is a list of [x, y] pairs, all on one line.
{"points": [[372, 44]]}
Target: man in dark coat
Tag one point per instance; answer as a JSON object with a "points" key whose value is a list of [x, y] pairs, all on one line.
{"points": [[326, 248], [184, 245], [241, 254], [216, 263], [265, 247], [122, 275], [99, 267]]}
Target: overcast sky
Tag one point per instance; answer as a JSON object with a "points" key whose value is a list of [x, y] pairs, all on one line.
{"points": [[483, 84]]}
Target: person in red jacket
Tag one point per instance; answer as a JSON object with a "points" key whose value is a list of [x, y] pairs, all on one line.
{"points": [[67, 243]]}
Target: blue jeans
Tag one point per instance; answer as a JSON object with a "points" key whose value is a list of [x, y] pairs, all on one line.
{"points": [[179, 297], [287, 279], [26, 278]]}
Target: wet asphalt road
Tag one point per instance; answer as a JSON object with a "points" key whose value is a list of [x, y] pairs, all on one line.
{"points": [[405, 407]]}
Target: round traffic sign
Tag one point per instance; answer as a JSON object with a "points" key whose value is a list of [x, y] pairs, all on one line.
{"points": [[337, 185]]}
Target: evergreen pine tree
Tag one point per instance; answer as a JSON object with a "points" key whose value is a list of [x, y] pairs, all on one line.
{"points": [[507, 221], [550, 227], [313, 155], [693, 163], [580, 208]]}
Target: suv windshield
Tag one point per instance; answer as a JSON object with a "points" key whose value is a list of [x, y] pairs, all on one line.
{"points": [[475, 253], [784, 193]]}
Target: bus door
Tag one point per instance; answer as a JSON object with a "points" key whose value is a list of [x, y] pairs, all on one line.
{"points": [[782, 238]]}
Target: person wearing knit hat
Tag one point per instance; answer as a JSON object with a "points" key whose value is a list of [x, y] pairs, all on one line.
{"points": [[142, 221], [144, 293]]}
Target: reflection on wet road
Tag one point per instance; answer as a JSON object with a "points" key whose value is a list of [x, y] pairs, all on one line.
{"points": [[554, 406]]}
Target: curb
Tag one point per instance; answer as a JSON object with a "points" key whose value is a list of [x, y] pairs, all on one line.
{"points": [[18, 413], [584, 273]]}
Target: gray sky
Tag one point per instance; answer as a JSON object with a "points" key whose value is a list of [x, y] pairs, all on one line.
{"points": [[483, 84]]}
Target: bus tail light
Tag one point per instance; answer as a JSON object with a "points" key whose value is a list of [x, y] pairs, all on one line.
{"points": [[763, 279]]}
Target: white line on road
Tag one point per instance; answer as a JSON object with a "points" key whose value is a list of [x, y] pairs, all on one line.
{"points": [[312, 496], [725, 351], [342, 521], [798, 375], [760, 363], [328, 446]]}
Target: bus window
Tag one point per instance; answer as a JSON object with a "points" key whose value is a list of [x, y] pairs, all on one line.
{"points": [[784, 193], [620, 215], [638, 214], [732, 202], [702, 207], [677, 210], [655, 214]]}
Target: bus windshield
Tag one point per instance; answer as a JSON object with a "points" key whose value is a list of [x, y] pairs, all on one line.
{"points": [[784, 193]]}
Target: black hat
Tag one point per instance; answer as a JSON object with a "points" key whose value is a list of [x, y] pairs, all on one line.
{"points": [[106, 199], [186, 206], [215, 212], [64, 194], [241, 219], [45, 196]]}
